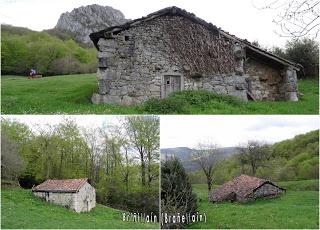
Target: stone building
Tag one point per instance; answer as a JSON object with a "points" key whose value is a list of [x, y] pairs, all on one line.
{"points": [[76, 194], [172, 50], [245, 188]]}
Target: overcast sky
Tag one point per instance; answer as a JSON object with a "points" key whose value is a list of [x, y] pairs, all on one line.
{"points": [[229, 131], [239, 17], [87, 121]]}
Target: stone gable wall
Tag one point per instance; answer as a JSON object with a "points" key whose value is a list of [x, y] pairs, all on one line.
{"points": [[85, 199], [267, 190], [133, 63]]}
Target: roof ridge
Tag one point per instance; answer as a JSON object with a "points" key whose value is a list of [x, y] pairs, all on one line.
{"points": [[174, 10], [61, 185]]}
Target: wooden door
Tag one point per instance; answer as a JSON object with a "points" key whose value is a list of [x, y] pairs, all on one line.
{"points": [[171, 84]]}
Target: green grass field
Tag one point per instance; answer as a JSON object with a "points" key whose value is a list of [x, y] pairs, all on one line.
{"points": [[71, 95], [20, 209], [297, 208]]}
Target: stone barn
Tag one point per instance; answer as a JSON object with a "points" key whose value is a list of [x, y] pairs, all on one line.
{"points": [[75, 194], [173, 50], [245, 188]]}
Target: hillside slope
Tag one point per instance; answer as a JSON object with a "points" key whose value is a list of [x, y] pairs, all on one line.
{"points": [[23, 49], [20, 209], [292, 159]]}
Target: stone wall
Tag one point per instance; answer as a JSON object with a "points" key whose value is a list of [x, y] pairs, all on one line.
{"points": [[267, 82], [263, 80], [63, 199], [267, 190], [289, 89], [134, 63]]}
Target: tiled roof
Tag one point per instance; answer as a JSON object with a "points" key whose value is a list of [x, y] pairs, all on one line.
{"points": [[242, 186], [69, 185]]}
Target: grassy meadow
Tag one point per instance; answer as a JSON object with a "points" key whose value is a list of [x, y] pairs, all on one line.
{"points": [[298, 208], [20, 209], [71, 94]]}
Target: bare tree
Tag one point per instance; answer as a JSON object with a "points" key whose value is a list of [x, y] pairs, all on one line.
{"points": [[94, 148], [254, 154], [242, 157], [11, 162], [46, 147], [296, 18], [206, 156]]}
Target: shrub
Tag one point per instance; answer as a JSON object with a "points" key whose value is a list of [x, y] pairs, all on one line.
{"points": [[202, 98], [164, 106], [176, 191], [180, 102]]}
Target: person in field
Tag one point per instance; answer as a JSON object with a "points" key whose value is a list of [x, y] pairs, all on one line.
{"points": [[33, 73]]}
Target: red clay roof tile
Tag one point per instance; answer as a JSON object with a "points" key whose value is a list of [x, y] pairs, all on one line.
{"points": [[69, 185], [242, 186]]}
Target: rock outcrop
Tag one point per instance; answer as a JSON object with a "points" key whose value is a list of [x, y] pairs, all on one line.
{"points": [[82, 21]]}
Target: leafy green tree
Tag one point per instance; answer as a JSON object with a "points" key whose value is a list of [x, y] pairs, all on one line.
{"points": [[292, 159], [176, 191], [143, 133], [305, 52]]}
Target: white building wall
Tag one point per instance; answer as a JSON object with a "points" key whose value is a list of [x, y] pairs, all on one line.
{"points": [[85, 199], [82, 201]]}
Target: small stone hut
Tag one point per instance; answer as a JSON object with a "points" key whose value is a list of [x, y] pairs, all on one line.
{"points": [[173, 50], [75, 194], [245, 188]]}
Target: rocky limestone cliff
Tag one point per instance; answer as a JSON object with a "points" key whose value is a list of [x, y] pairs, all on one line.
{"points": [[82, 21]]}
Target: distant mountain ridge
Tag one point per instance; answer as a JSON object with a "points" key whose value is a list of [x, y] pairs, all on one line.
{"points": [[184, 154], [82, 21]]}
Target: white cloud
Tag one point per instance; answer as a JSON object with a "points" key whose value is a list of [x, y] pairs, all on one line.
{"points": [[178, 131], [88, 121]]}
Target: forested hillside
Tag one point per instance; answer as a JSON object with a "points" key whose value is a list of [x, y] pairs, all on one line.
{"points": [[289, 160], [23, 49], [121, 162]]}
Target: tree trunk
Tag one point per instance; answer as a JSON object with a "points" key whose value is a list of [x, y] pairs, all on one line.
{"points": [[127, 171], [149, 168], [209, 182], [60, 166], [253, 166], [143, 169]]}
